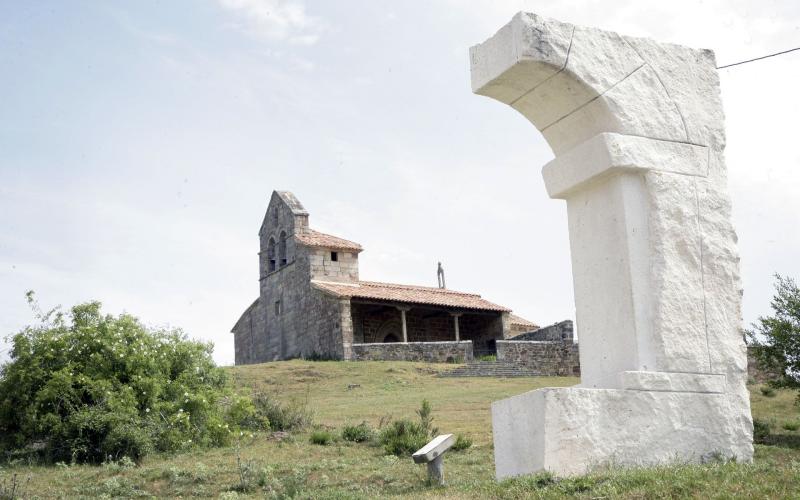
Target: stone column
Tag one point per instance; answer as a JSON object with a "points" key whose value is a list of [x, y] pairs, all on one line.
{"points": [[637, 131], [403, 311], [455, 323]]}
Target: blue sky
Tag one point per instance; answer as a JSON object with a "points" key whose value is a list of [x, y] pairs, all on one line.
{"points": [[140, 142]]}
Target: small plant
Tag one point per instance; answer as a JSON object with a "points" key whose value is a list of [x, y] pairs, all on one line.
{"points": [[488, 357], [321, 437], [246, 469], [791, 426], [462, 443], [761, 430], [403, 437], [767, 391], [425, 414], [357, 433]]}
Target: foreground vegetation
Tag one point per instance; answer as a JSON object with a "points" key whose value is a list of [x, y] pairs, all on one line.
{"points": [[346, 459], [85, 387]]}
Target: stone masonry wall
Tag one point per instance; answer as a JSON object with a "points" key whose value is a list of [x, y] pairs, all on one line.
{"points": [[344, 268], [547, 358], [559, 332], [432, 352], [248, 334]]}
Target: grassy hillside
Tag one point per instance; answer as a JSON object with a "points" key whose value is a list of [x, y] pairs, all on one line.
{"points": [[349, 393]]}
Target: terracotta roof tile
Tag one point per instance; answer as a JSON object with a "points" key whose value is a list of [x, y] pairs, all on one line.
{"points": [[312, 238], [519, 320], [408, 294]]}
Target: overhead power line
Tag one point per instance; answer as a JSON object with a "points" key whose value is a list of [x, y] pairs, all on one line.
{"points": [[758, 58]]}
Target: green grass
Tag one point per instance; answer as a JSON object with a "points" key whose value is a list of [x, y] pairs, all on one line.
{"points": [[341, 394]]}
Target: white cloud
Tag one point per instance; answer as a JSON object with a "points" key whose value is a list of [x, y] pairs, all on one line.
{"points": [[282, 20]]}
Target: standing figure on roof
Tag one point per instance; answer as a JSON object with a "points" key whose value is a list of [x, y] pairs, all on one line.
{"points": [[440, 276]]}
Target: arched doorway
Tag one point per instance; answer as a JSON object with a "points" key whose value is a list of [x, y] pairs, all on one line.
{"points": [[389, 332]]}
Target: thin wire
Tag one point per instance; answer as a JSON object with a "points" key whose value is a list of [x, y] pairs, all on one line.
{"points": [[758, 58]]}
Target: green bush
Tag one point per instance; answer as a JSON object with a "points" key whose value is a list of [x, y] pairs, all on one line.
{"points": [[462, 443], [403, 437], [791, 426], [89, 387], [281, 417], [357, 433], [488, 357], [761, 430], [321, 437]]}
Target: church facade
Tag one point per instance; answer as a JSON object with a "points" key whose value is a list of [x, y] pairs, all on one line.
{"points": [[312, 303]]}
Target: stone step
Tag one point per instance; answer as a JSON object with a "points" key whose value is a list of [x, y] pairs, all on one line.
{"points": [[490, 369]]}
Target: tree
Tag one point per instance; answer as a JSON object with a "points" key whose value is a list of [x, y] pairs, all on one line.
{"points": [[776, 338]]}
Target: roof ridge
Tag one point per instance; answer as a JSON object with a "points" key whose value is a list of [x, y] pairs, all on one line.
{"points": [[429, 288]]}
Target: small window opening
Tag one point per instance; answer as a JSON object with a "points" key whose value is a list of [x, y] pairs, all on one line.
{"points": [[271, 255], [277, 308], [334, 256]]}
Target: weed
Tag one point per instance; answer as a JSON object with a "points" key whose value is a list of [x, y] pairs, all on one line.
{"points": [[321, 437], [281, 417], [357, 433], [13, 488], [761, 430], [767, 391], [462, 443], [791, 426]]}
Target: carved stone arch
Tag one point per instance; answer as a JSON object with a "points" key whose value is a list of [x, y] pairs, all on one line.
{"points": [[390, 331], [637, 130]]}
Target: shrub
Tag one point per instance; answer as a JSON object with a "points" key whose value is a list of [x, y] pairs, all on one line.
{"points": [[761, 430], [403, 437], [462, 443], [767, 391], [89, 387], [357, 433], [281, 417], [321, 437], [488, 357], [791, 426]]}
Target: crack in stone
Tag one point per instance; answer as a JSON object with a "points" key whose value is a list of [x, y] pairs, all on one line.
{"points": [[658, 77], [598, 96], [562, 68]]}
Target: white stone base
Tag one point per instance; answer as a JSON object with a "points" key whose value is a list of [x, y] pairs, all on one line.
{"points": [[570, 431]]}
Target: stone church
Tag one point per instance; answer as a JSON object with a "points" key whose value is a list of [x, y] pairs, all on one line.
{"points": [[313, 304]]}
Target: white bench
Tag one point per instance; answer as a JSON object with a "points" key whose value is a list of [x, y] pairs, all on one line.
{"points": [[433, 455]]}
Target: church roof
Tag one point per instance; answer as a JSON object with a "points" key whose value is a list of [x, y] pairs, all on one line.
{"points": [[519, 320], [312, 238], [408, 294]]}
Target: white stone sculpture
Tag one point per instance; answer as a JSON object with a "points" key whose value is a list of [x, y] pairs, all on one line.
{"points": [[637, 131]]}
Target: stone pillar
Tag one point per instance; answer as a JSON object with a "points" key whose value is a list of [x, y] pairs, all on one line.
{"points": [[637, 131], [403, 322], [455, 323], [346, 322]]}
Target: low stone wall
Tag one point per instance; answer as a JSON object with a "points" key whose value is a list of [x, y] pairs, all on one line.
{"points": [[546, 358], [432, 352], [559, 332]]}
